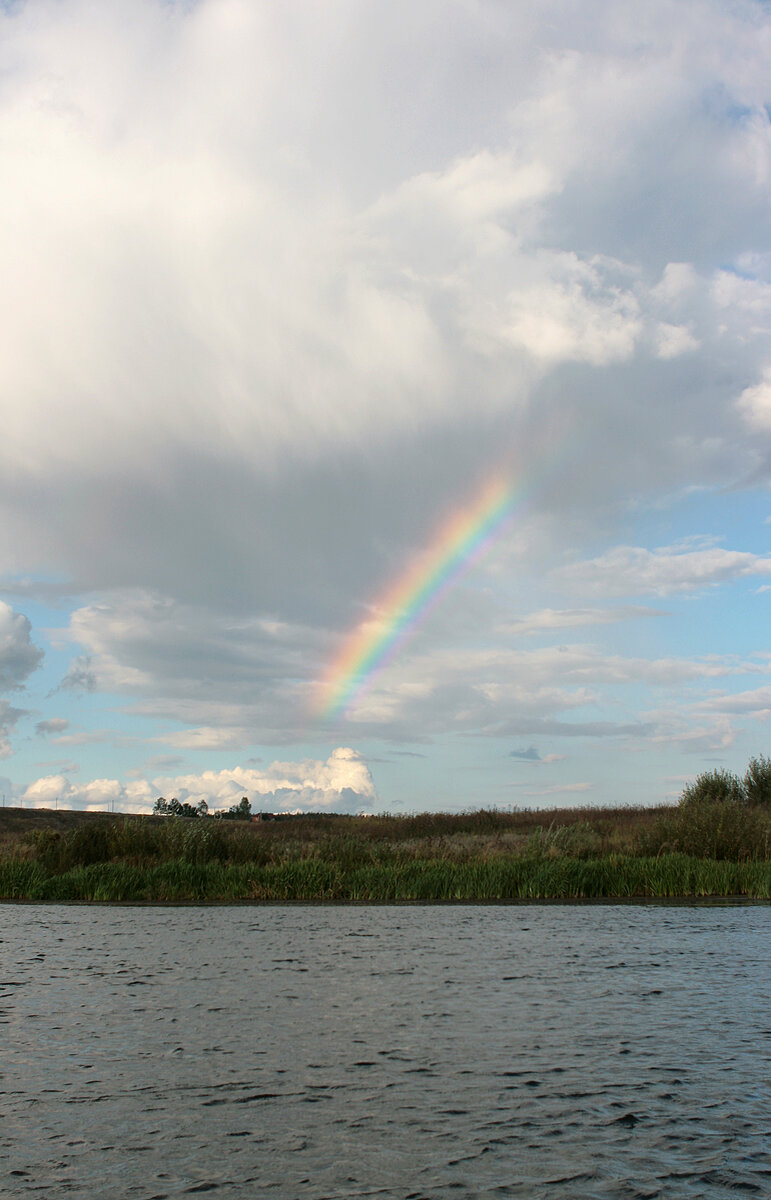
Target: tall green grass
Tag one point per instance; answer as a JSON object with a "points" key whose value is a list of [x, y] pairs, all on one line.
{"points": [[313, 880]]}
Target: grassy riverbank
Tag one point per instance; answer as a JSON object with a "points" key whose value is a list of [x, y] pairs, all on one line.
{"points": [[720, 849]]}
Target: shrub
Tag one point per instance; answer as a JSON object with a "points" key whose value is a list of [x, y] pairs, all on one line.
{"points": [[561, 841], [78, 848], [757, 781], [714, 787], [47, 847], [714, 820], [718, 829]]}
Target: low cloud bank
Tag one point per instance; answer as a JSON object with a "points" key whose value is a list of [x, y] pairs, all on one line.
{"points": [[341, 784]]}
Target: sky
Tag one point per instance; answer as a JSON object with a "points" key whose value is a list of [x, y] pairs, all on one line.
{"points": [[289, 293]]}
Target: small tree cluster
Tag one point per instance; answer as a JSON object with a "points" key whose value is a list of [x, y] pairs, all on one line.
{"points": [[179, 808], [237, 812]]}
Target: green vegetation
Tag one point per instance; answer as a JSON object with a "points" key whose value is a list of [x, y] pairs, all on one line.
{"points": [[715, 842], [757, 781], [421, 879]]}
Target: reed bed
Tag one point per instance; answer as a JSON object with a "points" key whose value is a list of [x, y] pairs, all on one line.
{"points": [[313, 880]]}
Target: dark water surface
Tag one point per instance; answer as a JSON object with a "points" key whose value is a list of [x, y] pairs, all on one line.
{"points": [[426, 1052]]}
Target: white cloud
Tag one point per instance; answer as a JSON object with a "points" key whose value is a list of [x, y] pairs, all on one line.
{"points": [[755, 403], [94, 737], [547, 619], [556, 789], [574, 316], [633, 570], [553, 691], [756, 703], [744, 300], [691, 736], [673, 340], [343, 779], [208, 738], [97, 794], [45, 792], [678, 281]]}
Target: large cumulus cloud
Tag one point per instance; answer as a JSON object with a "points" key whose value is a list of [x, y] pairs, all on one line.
{"points": [[247, 317]]}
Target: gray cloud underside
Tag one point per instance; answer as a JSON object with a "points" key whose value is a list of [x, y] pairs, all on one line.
{"points": [[54, 725], [228, 684], [9, 717], [18, 656]]}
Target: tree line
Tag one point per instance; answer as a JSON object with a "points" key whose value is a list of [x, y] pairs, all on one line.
{"points": [[180, 808], [237, 812]]}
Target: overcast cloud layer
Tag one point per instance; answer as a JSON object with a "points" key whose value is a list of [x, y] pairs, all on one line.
{"points": [[283, 285]]}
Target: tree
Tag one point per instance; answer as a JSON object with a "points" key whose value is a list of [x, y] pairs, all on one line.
{"points": [[238, 812]]}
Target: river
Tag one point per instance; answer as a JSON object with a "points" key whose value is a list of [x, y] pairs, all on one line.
{"points": [[405, 1053]]}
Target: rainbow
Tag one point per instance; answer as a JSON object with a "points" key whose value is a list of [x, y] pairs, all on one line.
{"points": [[401, 610]]}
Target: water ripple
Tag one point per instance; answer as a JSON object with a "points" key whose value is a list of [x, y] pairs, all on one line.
{"points": [[552, 1053]]}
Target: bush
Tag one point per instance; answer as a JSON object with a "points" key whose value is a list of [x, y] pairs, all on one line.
{"points": [[714, 787], [725, 829], [78, 848], [757, 781], [714, 820]]}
